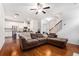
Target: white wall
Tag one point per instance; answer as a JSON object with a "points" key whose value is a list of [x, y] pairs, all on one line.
{"points": [[44, 26], [1, 26], [70, 26], [31, 25], [35, 25]]}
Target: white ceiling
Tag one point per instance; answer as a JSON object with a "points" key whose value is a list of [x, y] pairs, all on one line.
{"points": [[25, 13]]}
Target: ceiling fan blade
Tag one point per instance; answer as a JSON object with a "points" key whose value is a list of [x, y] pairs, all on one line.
{"points": [[32, 9], [44, 12], [38, 4], [46, 7], [36, 12]]}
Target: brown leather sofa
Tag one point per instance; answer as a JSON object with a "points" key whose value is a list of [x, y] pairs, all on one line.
{"points": [[59, 42], [28, 43], [54, 40]]}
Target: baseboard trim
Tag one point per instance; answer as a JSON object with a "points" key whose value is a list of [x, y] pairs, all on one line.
{"points": [[8, 37], [73, 43]]}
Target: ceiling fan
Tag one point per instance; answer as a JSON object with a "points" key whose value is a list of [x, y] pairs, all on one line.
{"points": [[40, 8]]}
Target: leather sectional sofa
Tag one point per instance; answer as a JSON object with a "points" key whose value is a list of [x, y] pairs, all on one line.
{"points": [[27, 42], [59, 42], [30, 40], [54, 40]]}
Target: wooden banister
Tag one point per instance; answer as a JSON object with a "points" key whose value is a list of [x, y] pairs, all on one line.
{"points": [[55, 25]]}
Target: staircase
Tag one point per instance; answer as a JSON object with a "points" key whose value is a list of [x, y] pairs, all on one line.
{"points": [[57, 27], [55, 24]]}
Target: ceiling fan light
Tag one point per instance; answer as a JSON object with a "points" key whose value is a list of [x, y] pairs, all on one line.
{"points": [[39, 10]]}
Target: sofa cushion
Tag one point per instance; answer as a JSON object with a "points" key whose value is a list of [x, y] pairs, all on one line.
{"points": [[39, 35], [58, 39], [25, 35], [41, 39], [52, 35], [30, 41], [33, 36]]}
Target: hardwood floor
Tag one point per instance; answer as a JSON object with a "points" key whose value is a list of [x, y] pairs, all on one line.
{"points": [[11, 48]]}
